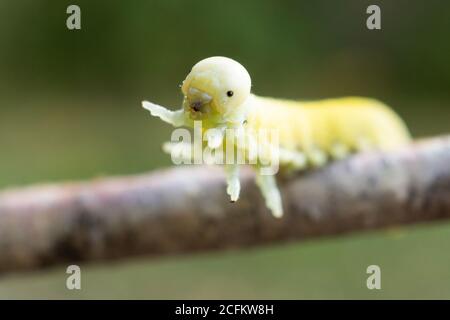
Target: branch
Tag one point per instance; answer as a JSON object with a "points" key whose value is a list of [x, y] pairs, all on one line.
{"points": [[186, 209]]}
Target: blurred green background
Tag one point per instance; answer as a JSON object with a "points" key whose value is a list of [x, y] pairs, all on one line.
{"points": [[70, 109]]}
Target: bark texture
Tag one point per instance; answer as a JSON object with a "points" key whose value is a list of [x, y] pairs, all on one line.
{"points": [[186, 209]]}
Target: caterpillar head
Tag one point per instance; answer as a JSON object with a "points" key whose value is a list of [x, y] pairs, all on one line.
{"points": [[215, 90]]}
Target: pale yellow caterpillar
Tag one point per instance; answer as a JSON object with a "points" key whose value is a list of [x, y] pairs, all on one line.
{"points": [[217, 93]]}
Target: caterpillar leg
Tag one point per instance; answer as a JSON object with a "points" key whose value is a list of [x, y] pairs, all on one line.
{"points": [[215, 136], [175, 118], [268, 186], [317, 157], [339, 151], [180, 152], [364, 144], [233, 183], [295, 160]]}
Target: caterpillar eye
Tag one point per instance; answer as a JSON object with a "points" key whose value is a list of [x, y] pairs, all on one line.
{"points": [[230, 93]]}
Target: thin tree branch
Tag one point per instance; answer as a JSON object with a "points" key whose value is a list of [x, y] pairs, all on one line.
{"points": [[186, 209]]}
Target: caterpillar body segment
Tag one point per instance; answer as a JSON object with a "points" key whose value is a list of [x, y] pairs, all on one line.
{"points": [[329, 129], [309, 133]]}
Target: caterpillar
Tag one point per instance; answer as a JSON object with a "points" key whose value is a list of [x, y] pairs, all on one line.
{"points": [[217, 92]]}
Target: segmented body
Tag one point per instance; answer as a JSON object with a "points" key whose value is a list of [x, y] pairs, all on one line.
{"points": [[328, 129], [217, 92]]}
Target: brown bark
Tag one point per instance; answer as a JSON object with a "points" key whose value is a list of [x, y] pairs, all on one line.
{"points": [[186, 209]]}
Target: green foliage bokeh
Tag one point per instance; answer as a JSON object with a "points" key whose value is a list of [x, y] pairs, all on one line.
{"points": [[70, 109]]}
